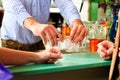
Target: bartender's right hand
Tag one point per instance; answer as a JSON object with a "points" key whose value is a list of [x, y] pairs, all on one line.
{"points": [[50, 56], [47, 32], [105, 49]]}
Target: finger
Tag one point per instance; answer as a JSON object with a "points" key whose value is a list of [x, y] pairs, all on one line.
{"points": [[104, 51], [57, 33], [73, 33], [80, 37], [50, 37], [54, 50], [106, 44], [77, 32], [103, 54], [54, 37], [52, 60], [44, 39], [86, 33], [110, 51], [101, 46], [108, 57], [56, 56]]}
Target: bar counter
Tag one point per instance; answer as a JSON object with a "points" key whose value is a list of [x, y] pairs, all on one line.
{"points": [[75, 66]]}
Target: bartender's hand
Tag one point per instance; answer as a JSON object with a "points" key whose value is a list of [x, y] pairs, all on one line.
{"points": [[105, 49], [50, 56], [47, 32], [78, 32]]}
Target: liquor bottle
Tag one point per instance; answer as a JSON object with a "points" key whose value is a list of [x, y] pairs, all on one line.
{"points": [[64, 29], [59, 25]]}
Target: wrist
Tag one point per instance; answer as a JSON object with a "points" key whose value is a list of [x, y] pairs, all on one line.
{"points": [[34, 57], [77, 22], [30, 23]]}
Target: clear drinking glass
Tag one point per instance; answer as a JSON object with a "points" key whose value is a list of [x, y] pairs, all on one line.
{"points": [[66, 46], [71, 47]]}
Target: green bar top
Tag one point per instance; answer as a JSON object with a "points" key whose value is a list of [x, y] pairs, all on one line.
{"points": [[68, 62]]}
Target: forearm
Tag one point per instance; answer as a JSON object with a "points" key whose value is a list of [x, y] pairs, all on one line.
{"points": [[15, 57], [30, 22], [68, 10]]}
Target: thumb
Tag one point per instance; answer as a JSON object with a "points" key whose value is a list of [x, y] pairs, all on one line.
{"points": [[110, 51], [54, 55]]}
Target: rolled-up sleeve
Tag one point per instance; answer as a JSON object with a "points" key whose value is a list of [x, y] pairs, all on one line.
{"points": [[16, 8], [67, 10]]}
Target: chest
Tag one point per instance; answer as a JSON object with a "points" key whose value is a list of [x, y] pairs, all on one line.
{"points": [[38, 3]]}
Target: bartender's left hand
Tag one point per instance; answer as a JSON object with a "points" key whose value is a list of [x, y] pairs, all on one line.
{"points": [[78, 32]]}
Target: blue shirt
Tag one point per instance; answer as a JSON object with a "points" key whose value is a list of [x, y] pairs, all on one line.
{"points": [[16, 11]]}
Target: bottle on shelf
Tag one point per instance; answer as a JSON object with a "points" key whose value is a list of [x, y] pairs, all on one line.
{"points": [[66, 29], [59, 25]]}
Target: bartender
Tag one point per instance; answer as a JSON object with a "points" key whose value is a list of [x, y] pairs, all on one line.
{"points": [[24, 25]]}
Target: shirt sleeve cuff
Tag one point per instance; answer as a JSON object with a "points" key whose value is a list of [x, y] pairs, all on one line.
{"points": [[72, 18], [21, 17]]}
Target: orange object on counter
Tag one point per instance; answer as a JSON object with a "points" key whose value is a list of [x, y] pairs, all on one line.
{"points": [[93, 44]]}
